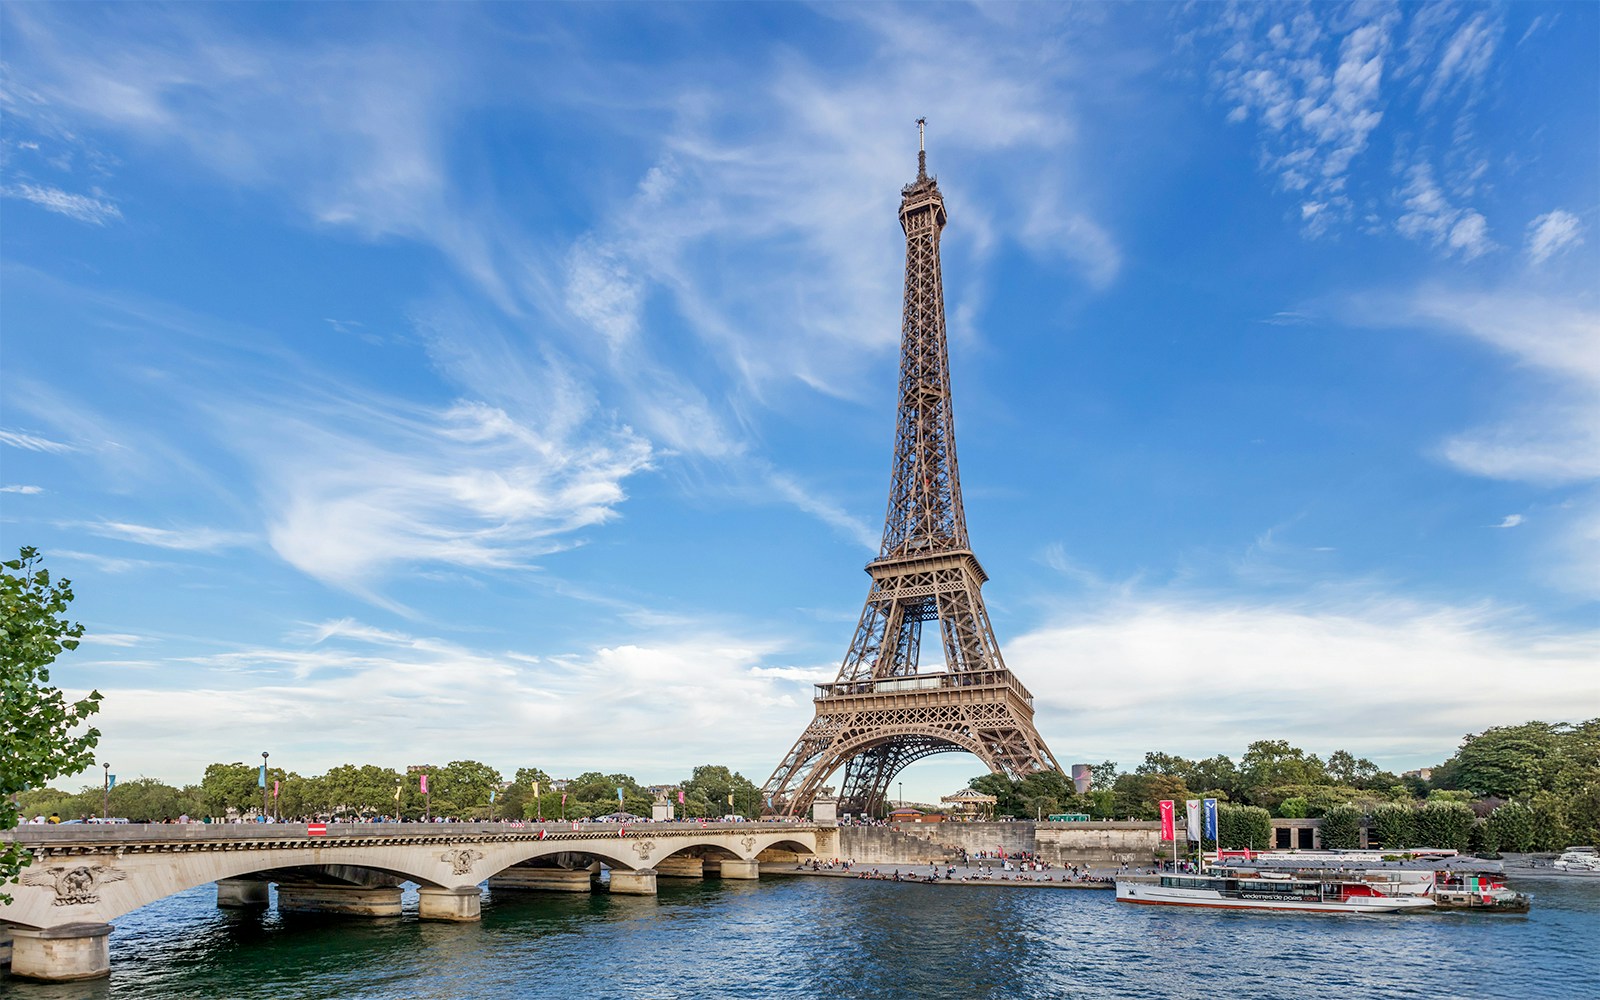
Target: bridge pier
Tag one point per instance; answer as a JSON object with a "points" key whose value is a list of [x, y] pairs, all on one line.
{"points": [[635, 883], [352, 900], [741, 869], [63, 953], [521, 878], [461, 905], [681, 868], [242, 893]]}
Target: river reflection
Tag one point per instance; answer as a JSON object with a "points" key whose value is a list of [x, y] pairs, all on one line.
{"points": [[837, 938]]}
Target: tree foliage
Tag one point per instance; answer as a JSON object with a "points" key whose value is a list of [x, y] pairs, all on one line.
{"points": [[39, 737], [1445, 824], [1341, 828], [1244, 827], [1394, 825]]}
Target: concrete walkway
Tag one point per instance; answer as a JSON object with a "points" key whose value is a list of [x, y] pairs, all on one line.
{"points": [[965, 875]]}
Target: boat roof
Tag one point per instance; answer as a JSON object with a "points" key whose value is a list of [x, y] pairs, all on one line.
{"points": [[1453, 864]]}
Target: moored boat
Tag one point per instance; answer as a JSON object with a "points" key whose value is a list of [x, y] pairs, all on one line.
{"points": [[1479, 893], [1219, 890]]}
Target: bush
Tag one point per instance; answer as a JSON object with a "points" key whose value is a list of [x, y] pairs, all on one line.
{"points": [[1244, 827], [1295, 807], [1512, 827], [1445, 824], [1341, 828], [1394, 825]]}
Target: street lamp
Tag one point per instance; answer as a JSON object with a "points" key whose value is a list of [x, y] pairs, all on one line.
{"points": [[263, 786], [902, 794], [561, 786], [105, 804]]}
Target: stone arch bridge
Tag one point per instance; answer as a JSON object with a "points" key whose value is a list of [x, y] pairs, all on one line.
{"points": [[83, 877]]}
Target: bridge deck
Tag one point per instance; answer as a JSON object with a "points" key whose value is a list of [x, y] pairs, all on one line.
{"points": [[56, 838]]}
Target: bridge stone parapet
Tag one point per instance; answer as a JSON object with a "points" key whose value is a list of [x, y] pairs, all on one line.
{"points": [[87, 876]]}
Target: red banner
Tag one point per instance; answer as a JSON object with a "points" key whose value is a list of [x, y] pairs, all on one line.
{"points": [[1167, 831], [316, 829]]}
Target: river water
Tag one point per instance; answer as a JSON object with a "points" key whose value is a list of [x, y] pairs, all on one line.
{"points": [[846, 938]]}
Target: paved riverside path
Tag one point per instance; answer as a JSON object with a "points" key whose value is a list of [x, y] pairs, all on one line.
{"points": [[965, 875]]}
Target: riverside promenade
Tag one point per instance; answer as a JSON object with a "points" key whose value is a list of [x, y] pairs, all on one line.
{"points": [[959, 875]]}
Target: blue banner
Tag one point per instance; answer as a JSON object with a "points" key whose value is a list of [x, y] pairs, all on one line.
{"points": [[619, 793], [491, 795], [113, 782], [261, 782], [1211, 819]]}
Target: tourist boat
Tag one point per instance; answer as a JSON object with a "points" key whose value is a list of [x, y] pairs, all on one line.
{"points": [[1478, 893], [1579, 859], [1266, 891]]}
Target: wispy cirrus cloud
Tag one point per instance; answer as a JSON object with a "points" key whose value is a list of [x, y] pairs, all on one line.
{"points": [[185, 539], [33, 442], [83, 208], [1551, 233], [1321, 80], [22, 489], [1430, 218]]}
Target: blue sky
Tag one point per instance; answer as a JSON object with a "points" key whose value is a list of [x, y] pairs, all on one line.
{"points": [[406, 384]]}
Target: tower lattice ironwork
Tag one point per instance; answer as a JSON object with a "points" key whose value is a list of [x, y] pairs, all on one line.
{"points": [[884, 712]]}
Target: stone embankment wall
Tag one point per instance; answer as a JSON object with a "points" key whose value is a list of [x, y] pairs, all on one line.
{"points": [[1061, 843], [1135, 843]]}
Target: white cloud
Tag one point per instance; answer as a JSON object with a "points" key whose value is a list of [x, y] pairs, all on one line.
{"points": [[1320, 83], [1316, 119], [32, 442], [1552, 233], [363, 490], [94, 211], [1465, 60], [188, 539], [1390, 679], [24, 490], [1511, 521], [1430, 218], [637, 706], [1548, 432]]}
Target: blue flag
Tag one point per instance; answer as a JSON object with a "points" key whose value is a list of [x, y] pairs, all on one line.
{"points": [[261, 782], [1211, 819], [619, 793], [113, 783], [491, 795]]}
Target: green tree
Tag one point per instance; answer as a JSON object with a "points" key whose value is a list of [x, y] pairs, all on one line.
{"points": [[1103, 775], [1445, 824], [1244, 827], [1394, 825], [231, 787], [1346, 768], [1268, 764], [38, 741], [1508, 761], [1341, 828], [1513, 827]]}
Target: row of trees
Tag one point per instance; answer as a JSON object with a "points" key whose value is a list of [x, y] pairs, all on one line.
{"points": [[458, 790], [1534, 786]]}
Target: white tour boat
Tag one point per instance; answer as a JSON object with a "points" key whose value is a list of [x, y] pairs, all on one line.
{"points": [[1267, 892]]}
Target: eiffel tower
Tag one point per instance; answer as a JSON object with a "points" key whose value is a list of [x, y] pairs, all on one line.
{"points": [[884, 712]]}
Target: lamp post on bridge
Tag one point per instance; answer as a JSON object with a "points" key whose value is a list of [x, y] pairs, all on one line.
{"points": [[561, 786], [264, 786], [105, 803]]}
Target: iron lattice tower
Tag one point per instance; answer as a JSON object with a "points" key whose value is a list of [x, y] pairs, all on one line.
{"points": [[883, 712]]}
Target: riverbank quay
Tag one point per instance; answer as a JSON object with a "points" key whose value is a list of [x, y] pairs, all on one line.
{"points": [[964, 876]]}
